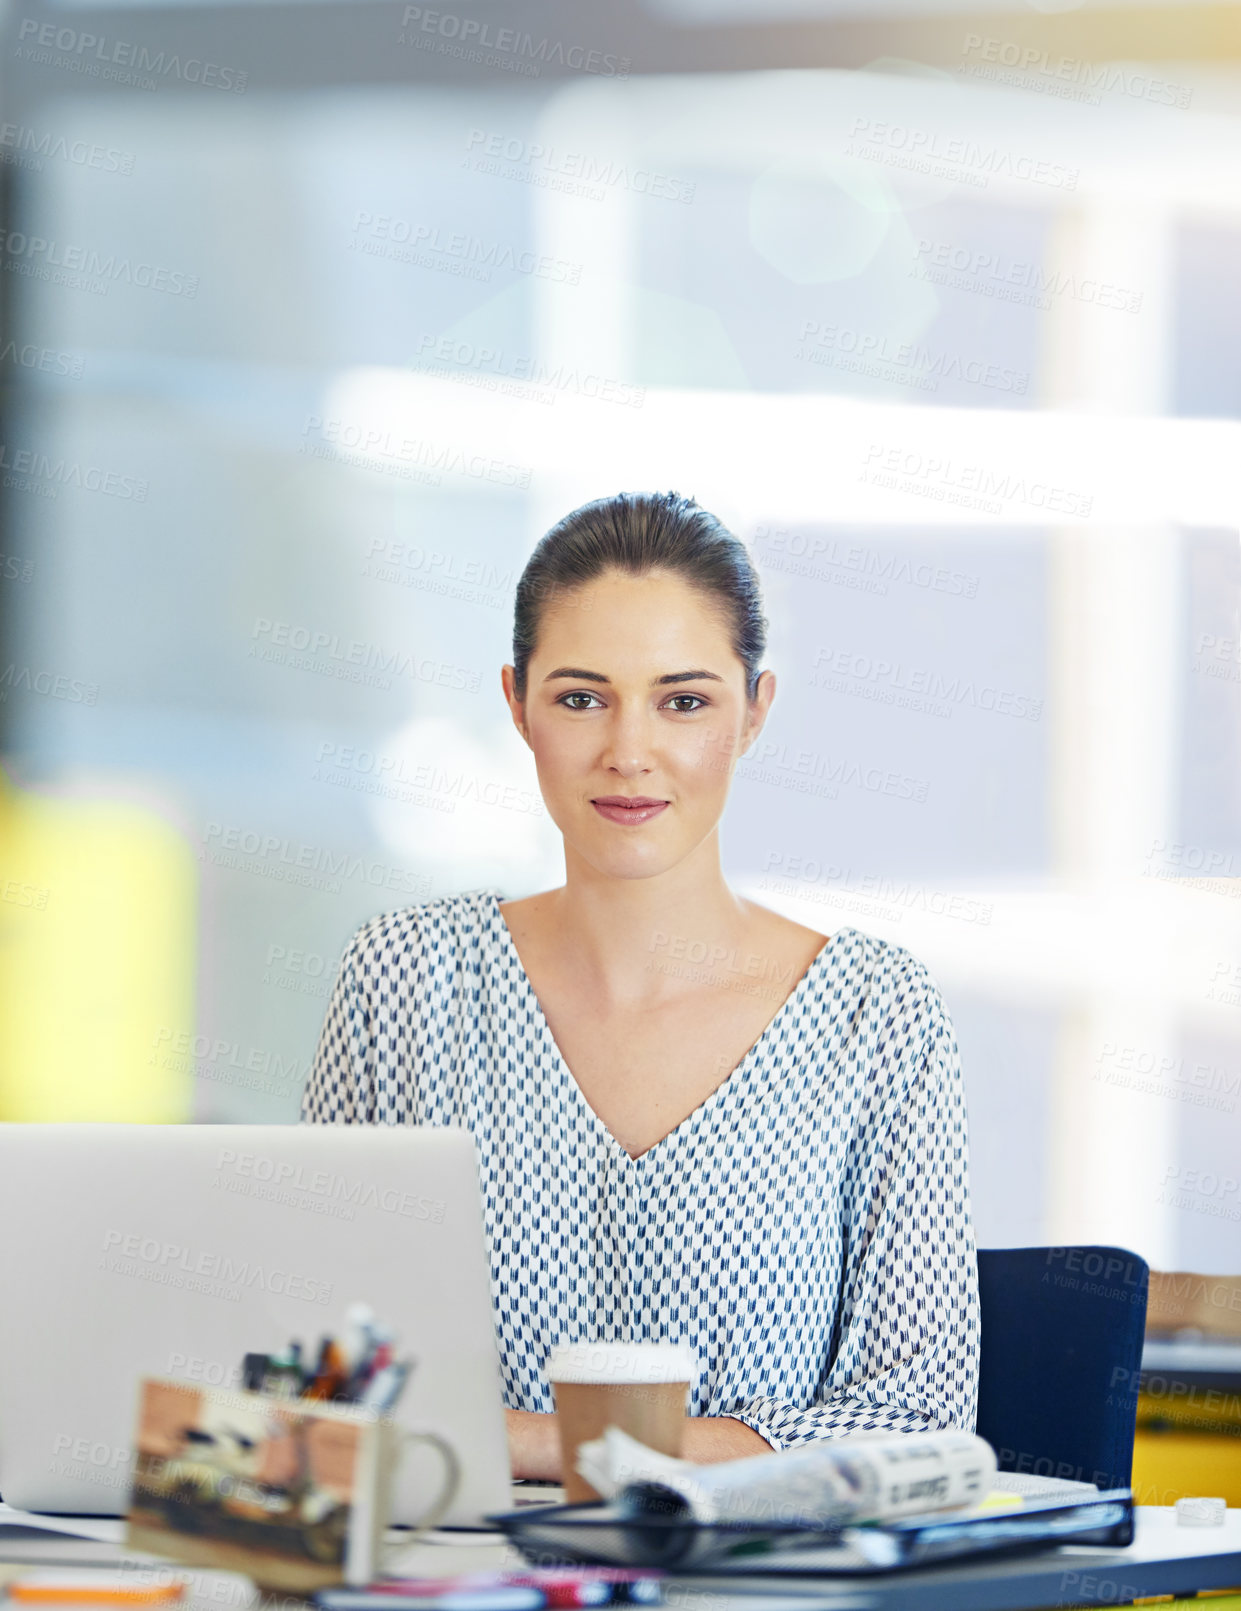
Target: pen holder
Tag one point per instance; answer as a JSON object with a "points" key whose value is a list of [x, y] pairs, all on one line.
{"points": [[293, 1492]]}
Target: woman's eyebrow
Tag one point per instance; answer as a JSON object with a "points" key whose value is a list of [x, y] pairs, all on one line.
{"points": [[578, 675]]}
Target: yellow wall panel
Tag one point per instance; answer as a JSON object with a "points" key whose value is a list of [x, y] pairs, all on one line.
{"points": [[1168, 1466], [98, 911]]}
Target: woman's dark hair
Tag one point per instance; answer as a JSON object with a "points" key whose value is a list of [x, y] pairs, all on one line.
{"points": [[638, 532]]}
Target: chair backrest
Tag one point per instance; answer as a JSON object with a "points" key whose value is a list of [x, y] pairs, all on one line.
{"points": [[1061, 1353]]}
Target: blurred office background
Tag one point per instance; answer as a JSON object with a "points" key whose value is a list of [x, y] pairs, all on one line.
{"points": [[317, 315]]}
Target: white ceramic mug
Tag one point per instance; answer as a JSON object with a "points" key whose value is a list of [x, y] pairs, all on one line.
{"points": [[364, 1549]]}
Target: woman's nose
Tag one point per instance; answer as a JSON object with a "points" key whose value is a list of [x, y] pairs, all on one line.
{"points": [[630, 743]]}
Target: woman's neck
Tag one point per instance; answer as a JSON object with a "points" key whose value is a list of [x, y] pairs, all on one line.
{"points": [[610, 936]]}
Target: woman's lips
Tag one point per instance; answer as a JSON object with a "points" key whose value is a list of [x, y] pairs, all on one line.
{"points": [[628, 814]]}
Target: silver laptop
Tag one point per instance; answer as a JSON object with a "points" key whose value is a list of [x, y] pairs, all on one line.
{"points": [[132, 1250]]}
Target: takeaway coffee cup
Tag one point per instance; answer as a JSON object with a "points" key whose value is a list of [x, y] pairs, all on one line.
{"points": [[643, 1388]]}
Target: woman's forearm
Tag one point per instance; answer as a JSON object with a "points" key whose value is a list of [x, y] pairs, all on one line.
{"points": [[533, 1445], [534, 1442], [720, 1437]]}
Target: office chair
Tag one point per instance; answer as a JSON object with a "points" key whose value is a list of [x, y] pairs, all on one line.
{"points": [[1061, 1351]]}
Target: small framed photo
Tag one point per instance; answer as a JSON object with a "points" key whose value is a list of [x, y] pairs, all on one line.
{"points": [[292, 1492]]}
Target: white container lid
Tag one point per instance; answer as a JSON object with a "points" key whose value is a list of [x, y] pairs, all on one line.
{"points": [[622, 1364], [1200, 1512]]}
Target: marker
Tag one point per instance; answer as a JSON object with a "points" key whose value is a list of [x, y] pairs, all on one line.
{"points": [[386, 1386], [328, 1381], [321, 1361], [355, 1339], [283, 1378], [377, 1356]]}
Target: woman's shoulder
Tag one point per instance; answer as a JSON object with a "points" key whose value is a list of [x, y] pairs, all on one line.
{"points": [[911, 1034], [443, 927], [882, 966], [894, 988], [894, 971]]}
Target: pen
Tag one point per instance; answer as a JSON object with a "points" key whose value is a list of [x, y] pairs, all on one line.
{"points": [[540, 1576], [625, 1585], [499, 1598], [99, 1590], [559, 1595], [564, 1591], [594, 1588], [631, 1585], [564, 1586], [567, 1596]]}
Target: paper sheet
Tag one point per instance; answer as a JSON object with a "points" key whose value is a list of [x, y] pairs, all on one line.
{"points": [[101, 1529]]}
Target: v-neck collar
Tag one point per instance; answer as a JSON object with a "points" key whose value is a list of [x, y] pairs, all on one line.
{"points": [[712, 1099]]}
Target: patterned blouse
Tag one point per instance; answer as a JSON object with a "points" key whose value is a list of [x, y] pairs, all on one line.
{"points": [[806, 1230]]}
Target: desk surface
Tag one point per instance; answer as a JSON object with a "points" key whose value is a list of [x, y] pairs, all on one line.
{"points": [[1208, 1357], [1163, 1559]]}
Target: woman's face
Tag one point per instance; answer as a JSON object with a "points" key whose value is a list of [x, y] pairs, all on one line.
{"points": [[635, 692]]}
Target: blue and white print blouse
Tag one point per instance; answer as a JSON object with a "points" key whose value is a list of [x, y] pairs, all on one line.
{"points": [[805, 1230]]}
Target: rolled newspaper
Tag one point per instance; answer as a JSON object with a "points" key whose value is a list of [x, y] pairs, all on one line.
{"points": [[863, 1476]]}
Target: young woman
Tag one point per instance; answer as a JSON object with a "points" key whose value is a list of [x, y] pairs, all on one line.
{"points": [[764, 1158]]}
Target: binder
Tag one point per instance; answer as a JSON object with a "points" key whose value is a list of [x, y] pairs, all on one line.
{"points": [[599, 1532]]}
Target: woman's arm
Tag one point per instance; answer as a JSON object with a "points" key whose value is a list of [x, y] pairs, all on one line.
{"points": [[906, 1358], [534, 1443]]}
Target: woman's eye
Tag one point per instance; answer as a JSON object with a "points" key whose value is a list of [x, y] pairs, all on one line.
{"points": [[582, 693]]}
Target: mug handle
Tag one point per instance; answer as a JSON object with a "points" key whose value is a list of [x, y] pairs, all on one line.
{"points": [[448, 1491]]}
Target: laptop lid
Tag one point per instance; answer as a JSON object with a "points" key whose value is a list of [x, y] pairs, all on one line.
{"points": [[131, 1250]]}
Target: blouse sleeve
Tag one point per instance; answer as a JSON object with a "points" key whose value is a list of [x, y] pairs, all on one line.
{"points": [[339, 1088], [906, 1358]]}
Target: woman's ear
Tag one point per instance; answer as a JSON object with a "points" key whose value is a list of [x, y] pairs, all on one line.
{"points": [[757, 708], [516, 707]]}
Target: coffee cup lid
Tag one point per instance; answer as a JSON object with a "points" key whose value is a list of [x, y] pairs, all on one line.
{"points": [[647, 1364]]}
